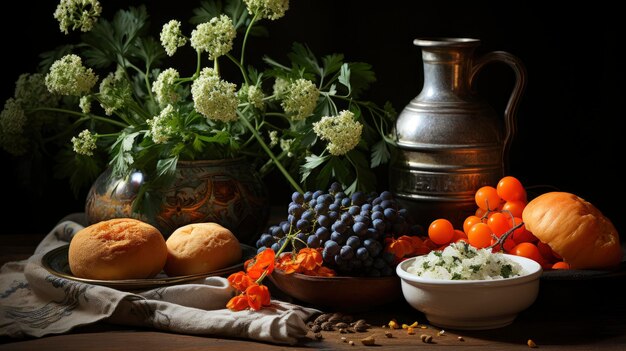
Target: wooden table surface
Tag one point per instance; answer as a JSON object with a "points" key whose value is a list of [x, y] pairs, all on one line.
{"points": [[582, 314]]}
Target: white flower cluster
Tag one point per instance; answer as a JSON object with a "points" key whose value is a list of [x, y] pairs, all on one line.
{"points": [[252, 94], [172, 37], [213, 97], [164, 87], [85, 143], [270, 9], [300, 99], [215, 37], [161, 126], [342, 132], [77, 14], [68, 76]]}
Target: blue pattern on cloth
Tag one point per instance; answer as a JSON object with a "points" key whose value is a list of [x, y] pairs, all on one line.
{"points": [[34, 302]]}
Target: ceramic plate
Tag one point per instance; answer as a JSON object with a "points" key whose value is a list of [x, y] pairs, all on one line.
{"points": [[56, 262], [588, 274]]}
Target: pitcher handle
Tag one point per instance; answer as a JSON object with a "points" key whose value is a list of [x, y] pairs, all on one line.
{"points": [[510, 112]]}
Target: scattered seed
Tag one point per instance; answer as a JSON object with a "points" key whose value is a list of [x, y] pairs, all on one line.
{"points": [[328, 326], [351, 343], [426, 338], [423, 327], [531, 344], [369, 341], [343, 330], [335, 318], [460, 338], [441, 332], [322, 318], [410, 330], [360, 328], [388, 334], [393, 324], [343, 338]]}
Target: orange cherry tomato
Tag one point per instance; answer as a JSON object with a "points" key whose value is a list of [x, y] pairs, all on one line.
{"points": [[560, 265], [514, 207], [441, 231], [498, 223], [469, 222], [528, 250], [487, 198], [509, 244], [459, 235], [480, 212], [511, 189], [479, 235]]}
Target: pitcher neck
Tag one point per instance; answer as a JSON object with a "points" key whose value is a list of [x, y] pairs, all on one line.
{"points": [[447, 68]]}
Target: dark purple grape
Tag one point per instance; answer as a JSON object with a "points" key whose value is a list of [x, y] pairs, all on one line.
{"points": [[309, 215], [322, 233], [295, 210], [353, 242], [297, 197], [338, 227], [373, 246], [317, 193], [260, 249], [313, 241], [366, 208], [347, 252], [323, 220], [308, 196], [303, 225], [275, 247], [390, 214], [379, 225], [354, 210], [359, 228], [358, 198], [345, 202], [338, 237], [363, 219], [362, 253], [285, 226], [334, 207], [386, 195], [334, 188], [321, 209]]}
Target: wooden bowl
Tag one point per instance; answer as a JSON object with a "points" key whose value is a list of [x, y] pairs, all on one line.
{"points": [[339, 293]]}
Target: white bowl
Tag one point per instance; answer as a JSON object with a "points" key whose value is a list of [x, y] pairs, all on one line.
{"points": [[471, 304]]}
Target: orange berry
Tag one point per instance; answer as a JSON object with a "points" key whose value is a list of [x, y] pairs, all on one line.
{"points": [[528, 250], [469, 222], [560, 265], [479, 235], [441, 231], [511, 189], [498, 223], [487, 198], [514, 207]]}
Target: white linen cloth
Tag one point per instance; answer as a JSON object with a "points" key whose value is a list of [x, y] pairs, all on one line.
{"points": [[34, 302]]}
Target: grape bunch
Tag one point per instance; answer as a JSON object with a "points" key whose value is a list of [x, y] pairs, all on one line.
{"points": [[350, 229]]}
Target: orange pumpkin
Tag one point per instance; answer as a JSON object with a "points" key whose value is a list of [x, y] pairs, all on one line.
{"points": [[575, 229]]}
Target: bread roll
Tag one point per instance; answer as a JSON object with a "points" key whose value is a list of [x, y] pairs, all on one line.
{"points": [[574, 229], [120, 248], [201, 248]]}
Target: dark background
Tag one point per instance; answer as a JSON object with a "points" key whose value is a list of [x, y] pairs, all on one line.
{"points": [[570, 121]]}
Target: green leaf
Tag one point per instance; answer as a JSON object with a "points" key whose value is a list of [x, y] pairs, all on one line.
{"points": [[380, 153], [206, 11], [150, 51], [120, 150], [361, 76], [344, 76], [341, 170], [311, 163], [113, 42], [303, 56], [332, 63], [165, 170]]}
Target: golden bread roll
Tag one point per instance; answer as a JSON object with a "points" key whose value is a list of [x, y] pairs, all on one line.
{"points": [[574, 229], [201, 248], [120, 248]]}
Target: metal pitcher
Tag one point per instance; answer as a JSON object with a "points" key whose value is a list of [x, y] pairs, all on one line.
{"points": [[450, 142]]}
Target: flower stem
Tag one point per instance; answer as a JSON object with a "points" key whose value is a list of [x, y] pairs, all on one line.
{"points": [[269, 152], [243, 72], [245, 38]]}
